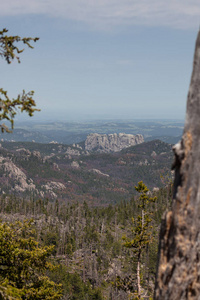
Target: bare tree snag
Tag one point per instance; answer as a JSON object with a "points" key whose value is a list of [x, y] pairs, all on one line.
{"points": [[178, 272]]}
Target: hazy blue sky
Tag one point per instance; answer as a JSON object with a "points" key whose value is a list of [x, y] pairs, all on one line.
{"points": [[103, 58]]}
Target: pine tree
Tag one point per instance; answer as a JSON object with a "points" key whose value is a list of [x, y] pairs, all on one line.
{"points": [[142, 233], [23, 265], [24, 101]]}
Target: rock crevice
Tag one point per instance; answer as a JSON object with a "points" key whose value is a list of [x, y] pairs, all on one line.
{"points": [[178, 273]]}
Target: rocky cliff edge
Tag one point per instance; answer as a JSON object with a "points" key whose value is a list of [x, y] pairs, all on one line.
{"points": [[106, 143]]}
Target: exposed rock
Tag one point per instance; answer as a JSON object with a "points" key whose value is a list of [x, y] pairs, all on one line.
{"points": [[48, 157], [54, 185], [50, 187], [24, 151], [153, 154], [163, 153], [99, 172], [37, 154], [56, 167], [143, 162], [78, 146], [71, 151], [104, 143], [178, 274], [75, 164], [17, 175]]}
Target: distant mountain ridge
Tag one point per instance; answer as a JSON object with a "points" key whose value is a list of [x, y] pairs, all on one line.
{"points": [[76, 132]]}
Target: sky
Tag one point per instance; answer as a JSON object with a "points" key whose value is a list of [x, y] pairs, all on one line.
{"points": [[103, 59]]}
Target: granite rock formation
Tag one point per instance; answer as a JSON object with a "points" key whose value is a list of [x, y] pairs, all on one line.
{"points": [[178, 274], [106, 143]]}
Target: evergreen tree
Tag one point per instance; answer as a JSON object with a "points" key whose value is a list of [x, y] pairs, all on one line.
{"points": [[142, 233], [23, 265], [23, 102]]}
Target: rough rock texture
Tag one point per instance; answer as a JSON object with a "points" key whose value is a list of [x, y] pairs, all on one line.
{"points": [[52, 186], [178, 274], [20, 183], [99, 172], [24, 151], [105, 143], [17, 175], [75, 164], [74, 152]]}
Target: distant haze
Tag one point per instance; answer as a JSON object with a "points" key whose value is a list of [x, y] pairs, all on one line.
{"points": [[55, 116], [103, 59]]}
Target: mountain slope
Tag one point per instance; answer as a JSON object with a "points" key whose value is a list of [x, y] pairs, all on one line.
{"points": [[71, 174]]}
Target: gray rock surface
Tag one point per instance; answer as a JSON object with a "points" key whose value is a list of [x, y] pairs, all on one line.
{"points": [[74, 152], [20, 179], [75, 164], [178, 274], [105, 143], [99, 172]]}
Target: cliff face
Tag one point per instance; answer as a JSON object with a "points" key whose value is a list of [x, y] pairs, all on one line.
{"points": [[17, 180], [104, 143], [11, 172], [178, 274]]}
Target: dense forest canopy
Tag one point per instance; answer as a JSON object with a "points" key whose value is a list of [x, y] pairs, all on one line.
{"points": [[88, 245]]}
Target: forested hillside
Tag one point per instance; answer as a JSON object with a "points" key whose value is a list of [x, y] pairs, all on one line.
{"points": [[70, 174], [92, 261]]}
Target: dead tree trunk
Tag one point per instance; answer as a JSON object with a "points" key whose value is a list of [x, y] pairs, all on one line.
{"points": [[178, 273], [138, 275]]}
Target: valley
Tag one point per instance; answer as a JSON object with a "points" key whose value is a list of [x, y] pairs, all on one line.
{"points": [[71, 173], [81, 199]]}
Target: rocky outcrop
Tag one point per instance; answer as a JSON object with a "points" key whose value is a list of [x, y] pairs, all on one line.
{"points": [[99, 172], [75, 164], [74, 152], [47, 157], [105, 143], [18, 182], [178, 273], [51, 187], [24, 151], [19, 178]]}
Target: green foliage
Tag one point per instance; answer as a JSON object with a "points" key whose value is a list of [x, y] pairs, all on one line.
{"points": [[91, 235], [50, 238], [8, 48], [23, 264], [24, 101], [87, 242], [142, 233], [73, 285], [116, 249]]}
